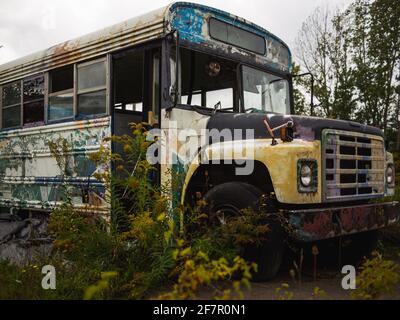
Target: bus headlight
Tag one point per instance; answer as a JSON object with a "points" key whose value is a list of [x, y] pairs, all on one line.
{"points": [[390, 175], [307, 172], [305, 175]]}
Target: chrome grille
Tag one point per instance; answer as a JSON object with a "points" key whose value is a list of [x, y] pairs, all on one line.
{"points": [[353, 165]]}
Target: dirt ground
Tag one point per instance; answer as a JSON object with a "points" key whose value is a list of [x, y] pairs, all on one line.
{"points": [[329, 282], [329, 279], [304, 291]]}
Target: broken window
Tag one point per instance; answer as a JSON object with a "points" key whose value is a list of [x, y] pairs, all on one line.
{"points": [[33, 98], [11, 102], [61, 96], [92, 85]]}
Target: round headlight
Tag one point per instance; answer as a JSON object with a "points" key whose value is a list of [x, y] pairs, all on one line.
{"points": [[390, 175], [305, 175]]}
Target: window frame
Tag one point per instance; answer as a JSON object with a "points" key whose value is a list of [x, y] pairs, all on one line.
{"points": [[276, 73], [55, 94], [156, 104], [47, 95], [45, 90], [236, 45], [237, 104], [106, 87], [20, 104]]}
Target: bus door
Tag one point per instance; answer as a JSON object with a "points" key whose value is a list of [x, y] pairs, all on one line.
{"points": [[136, 90], [136, 87]]}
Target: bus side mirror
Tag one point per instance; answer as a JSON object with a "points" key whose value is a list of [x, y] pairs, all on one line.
{"points": [[172, 93]]}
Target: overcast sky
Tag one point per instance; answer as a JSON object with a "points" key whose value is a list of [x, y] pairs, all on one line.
{"points": [[29, 26]]}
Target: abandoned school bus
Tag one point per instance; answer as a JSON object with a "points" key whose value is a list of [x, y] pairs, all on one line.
{"points": [[189, 66]]}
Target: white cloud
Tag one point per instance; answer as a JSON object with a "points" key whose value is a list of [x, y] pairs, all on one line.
{"points": [[29, 26]]}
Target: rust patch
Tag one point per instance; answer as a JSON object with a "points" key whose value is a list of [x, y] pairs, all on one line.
{"points": [[319, 224], [360, 219]]}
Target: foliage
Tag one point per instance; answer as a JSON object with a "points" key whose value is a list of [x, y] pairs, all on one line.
{"points": [[143, 248], [378, 277], [198, 270], [354, 55], [16, 282], [283, 292], [100, 286], [318, 293], [60, 149]]}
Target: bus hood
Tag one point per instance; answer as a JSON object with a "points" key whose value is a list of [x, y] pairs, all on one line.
{"points": [[306, 128]]}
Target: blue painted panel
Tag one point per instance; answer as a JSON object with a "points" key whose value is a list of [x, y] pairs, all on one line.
{"points": [[192, 22]]}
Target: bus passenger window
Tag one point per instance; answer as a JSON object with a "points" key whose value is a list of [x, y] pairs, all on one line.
{"points": [[61, 94], [11, 98], [92, 85], [33, 97]]}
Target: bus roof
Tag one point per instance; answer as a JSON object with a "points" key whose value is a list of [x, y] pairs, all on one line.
{"points": [[150, 26]]}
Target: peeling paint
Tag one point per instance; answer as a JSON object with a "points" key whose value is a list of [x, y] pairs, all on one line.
{"points": [[192, 21], [30, 176]]}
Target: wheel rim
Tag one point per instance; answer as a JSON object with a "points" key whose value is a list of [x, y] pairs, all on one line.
{"points": [[224, 211]]}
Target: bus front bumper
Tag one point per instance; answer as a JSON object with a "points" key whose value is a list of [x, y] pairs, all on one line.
{"points": [[324, 223]]}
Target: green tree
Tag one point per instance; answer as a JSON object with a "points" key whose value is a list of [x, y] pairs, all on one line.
{"points": [[354, 55], [300, 87], [375, 38], [323, 48], [312, 52]]}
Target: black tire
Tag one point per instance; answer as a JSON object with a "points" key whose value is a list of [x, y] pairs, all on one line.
{"points": [[229, 199], [358, 246]]}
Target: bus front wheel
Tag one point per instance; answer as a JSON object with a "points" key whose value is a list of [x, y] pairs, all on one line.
{"points": [[229, 199]]}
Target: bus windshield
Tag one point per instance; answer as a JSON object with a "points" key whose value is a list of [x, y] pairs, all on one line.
{"points": [[212, 82], [265, 92]]}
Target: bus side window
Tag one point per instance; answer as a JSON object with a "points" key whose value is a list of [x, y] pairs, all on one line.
{"points": [[61, 94], [33, 99], [92, 87], [11, 101]]}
